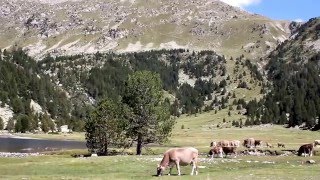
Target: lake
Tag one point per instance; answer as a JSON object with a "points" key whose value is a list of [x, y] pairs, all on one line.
{"points": [[10, 144]]}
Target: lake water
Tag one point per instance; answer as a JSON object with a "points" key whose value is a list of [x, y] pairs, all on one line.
{"points": [[9, 144]]}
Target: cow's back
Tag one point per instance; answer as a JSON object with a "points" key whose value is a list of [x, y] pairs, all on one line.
{"points": [[184, 155]]}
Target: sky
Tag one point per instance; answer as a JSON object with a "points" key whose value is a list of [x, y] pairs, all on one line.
{"points": [[295, 10]]}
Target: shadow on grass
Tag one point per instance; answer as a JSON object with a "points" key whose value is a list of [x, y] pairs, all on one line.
{"points": [[169, 175]]}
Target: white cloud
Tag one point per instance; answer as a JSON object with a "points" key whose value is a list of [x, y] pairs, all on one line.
{"points": [[241, 3], [298, 20]]}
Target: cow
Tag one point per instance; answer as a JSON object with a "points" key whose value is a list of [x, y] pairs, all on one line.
{"points": [[306, 149], [223, 143], [229, 150], [235, 143], [250, 142], [281, 145], [216, 150], [177, 157]]}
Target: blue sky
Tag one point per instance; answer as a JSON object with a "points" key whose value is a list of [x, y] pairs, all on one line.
{"points": [[280, 9]]}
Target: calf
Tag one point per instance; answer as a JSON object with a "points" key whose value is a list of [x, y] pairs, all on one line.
{"points": [[306, 149], [177, 157]]}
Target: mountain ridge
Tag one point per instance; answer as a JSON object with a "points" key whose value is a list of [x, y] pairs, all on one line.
{"points": [[73, 27]]}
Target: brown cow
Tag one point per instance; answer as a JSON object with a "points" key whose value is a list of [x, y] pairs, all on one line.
{"points": [[223, 143], [177, 157], [235, 143], [216, 150], [250, 142], [306, 149], [229, 150]]}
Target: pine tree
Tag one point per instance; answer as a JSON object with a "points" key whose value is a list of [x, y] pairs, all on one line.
{"points": [[150, 120], [106, 127]]}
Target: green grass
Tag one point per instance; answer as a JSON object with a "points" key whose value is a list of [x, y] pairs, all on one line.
{"points": [[144, 167], [198, 132]]}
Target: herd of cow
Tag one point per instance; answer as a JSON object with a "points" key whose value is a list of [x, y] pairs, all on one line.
{"points": [[189, 155]]}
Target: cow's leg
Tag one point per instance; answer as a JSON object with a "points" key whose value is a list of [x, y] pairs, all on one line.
{"points": [[221, 155], [193, 167], [196, 167], [178, 168], [170, 170], [305, 153]]}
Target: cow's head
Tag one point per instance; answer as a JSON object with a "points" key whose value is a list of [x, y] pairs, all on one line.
{"points": [[160, 170]]}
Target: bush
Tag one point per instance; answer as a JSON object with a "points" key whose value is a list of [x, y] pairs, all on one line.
{"points": [[182, 126]]}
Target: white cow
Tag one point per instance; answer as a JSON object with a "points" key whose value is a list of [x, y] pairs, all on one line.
{"points": [[177, 157]]}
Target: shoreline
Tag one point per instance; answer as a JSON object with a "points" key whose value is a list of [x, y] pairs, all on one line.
{"points": [[18, 154], [10, 135]]}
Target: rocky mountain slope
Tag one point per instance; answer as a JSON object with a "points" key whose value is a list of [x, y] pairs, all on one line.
{"points": [[302, 45], [67, 27]]}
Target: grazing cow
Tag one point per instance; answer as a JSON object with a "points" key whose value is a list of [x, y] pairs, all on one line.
{"points": [[257, 143], [306, 149], [229, 150], [269, 145], [235, 143], [177, 157], [216, 150], [250, 142], [281, 145], [316, 142]]}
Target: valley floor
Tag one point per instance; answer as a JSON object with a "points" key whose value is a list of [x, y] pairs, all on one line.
{"points": [[144, 167]]}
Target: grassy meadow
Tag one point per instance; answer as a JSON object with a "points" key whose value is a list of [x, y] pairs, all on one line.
{"points": [[197, 131]]}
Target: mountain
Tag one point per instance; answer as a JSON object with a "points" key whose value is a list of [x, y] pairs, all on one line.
{"points": [[69, 27], [210, 56], [293, 72]]}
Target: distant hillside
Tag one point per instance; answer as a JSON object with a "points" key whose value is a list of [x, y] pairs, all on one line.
{"points": [[66, 87], [29, 92], [293, 70], [73, 27]]}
